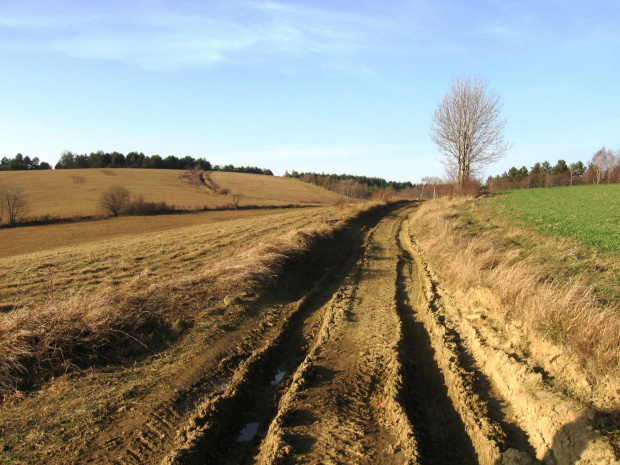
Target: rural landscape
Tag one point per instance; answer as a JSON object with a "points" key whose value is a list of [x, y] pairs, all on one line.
{"points": [[323, 233], [292, 324]]}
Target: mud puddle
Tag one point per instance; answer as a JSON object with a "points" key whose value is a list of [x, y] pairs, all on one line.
{"points": [[248, 432], [279, 376]]}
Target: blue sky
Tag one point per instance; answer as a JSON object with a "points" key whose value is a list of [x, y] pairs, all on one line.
{"points": [[341, 86]]}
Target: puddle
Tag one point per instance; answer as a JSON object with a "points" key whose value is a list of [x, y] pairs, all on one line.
{"points": [[279, 375], [248, 432]]}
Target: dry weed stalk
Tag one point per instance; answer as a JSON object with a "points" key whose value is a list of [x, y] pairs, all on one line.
{"points": [[565, 311]]}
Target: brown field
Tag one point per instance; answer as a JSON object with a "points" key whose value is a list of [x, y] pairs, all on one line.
{"points": [[118, 250], [26, 240], [366, 333], [76, 193]]}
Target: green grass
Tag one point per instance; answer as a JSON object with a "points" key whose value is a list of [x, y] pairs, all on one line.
{"points": [[589, 214]]}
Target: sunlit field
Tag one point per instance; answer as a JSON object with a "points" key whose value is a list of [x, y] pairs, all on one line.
{"points": [[590, 214], [76, 193]]}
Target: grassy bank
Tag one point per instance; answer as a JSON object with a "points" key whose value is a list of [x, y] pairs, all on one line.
{"points": [[560, 291]]}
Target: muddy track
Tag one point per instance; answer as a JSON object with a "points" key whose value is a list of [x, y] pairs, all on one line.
{"points": [[371, 363]]}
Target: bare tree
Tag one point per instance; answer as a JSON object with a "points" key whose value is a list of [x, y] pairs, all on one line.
{"points": [[115, 200], [236, 198], [602, 164], [467, 128], [13, 202], [576, 169], [432, 181]]}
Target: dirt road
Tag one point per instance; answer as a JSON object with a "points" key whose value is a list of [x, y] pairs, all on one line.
{"points": [[358, 358]]}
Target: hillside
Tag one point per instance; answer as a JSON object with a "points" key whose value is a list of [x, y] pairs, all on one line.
{"points": [[75, 193]]}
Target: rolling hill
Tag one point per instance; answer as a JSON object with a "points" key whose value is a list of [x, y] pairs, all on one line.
{"points": [[75, 193]]}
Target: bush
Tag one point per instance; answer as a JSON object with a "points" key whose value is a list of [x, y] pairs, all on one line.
{"points": [[471, 188], [141, 207]]}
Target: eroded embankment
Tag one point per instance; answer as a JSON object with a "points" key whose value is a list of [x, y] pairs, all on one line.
{"points": [[509, 412]]}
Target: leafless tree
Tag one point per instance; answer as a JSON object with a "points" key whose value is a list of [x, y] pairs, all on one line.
{"points": [[432, 181], [602, 164], [576, 169], [13, 202], [467, 128], [115, 200], [236, 198]]}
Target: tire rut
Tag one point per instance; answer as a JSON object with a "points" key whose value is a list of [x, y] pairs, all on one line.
{"points": [[249, 399], [441, 433], [371, 365], [384, 378], [335, 410]]}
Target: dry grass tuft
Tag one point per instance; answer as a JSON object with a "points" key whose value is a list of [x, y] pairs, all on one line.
{"points": [[258, 268], [81, 330], [554, 307]]}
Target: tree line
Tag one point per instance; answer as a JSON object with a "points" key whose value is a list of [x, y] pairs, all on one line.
{"points": [[101, 159], [360, 187], [604, 167], [20, 162]]}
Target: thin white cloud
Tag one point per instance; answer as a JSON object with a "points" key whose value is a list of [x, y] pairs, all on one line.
{"points": [[569, 25], [168, 35]]}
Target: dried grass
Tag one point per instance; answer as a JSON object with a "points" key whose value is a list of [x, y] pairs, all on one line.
{"points": [[113, 323], [566, 311], [83, 329]]}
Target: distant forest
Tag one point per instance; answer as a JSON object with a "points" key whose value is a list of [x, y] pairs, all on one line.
{"points": [[604, 168], [23, 163], [101, 159], [360, 187]]}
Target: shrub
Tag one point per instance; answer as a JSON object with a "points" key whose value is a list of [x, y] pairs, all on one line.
{"points": [[141, 207], [115, 200]]}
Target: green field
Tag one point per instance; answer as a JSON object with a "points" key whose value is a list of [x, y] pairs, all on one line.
{"points": [[589, 214]]}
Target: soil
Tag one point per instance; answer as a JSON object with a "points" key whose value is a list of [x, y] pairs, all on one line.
{"points": [[359, 356]]}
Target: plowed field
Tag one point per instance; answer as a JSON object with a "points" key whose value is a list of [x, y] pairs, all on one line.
{"points": [[359, 356]]}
